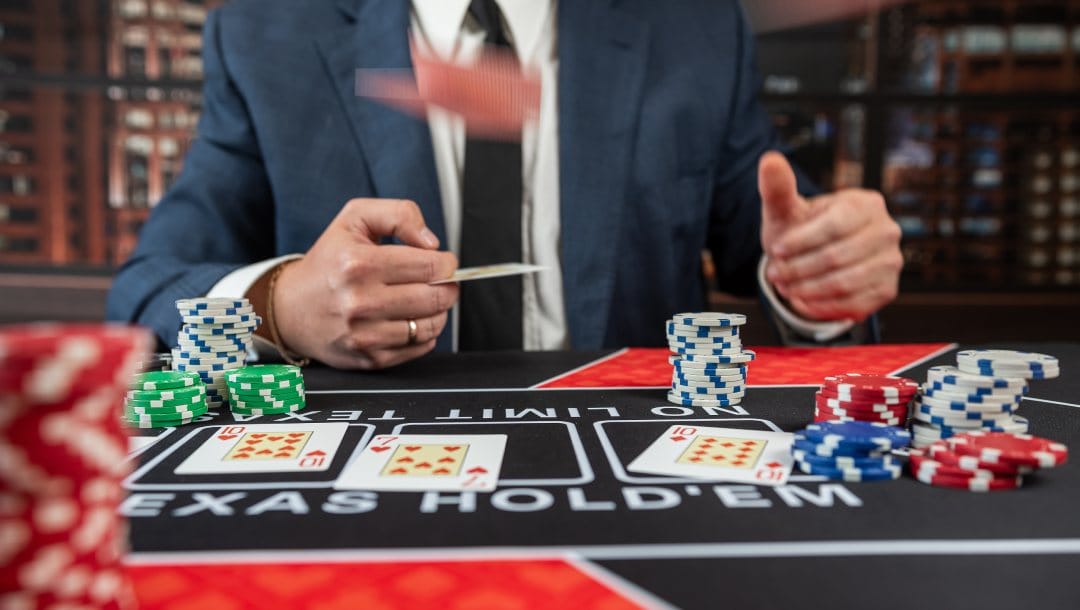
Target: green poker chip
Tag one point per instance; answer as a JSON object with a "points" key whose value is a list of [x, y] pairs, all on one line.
{"points": [[164, 380], [176, 394], [256, 387], [263, 373], [196, 399], [165, 411], [269, 395], [157, 421], [242, 409]]}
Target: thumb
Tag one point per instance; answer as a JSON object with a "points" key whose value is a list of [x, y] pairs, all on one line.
{"points": [[780, 199], [372, 219]]}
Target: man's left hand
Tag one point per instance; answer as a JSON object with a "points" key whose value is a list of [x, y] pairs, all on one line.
{"points": [[833, 257]]}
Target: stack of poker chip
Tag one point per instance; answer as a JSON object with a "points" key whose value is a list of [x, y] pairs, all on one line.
{"points": [[708, 360], [63, 456], [850, 451], [862, 397], [215, 338], [984, 461], [953, 401], [266, 389], [161, 399]]}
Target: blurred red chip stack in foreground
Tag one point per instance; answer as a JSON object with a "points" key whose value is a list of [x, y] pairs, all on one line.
{"points": [[62, 460]]}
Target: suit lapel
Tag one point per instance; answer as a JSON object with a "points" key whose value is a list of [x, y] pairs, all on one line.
{"points": [[602, 62], [373, 34]]}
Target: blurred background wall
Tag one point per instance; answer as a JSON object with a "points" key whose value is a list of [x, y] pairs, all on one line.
{"points": [[966, 113]]}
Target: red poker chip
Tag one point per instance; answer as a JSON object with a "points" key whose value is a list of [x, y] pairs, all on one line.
{"points": [[940, 452], [863, 415], [830, 403], [864, 399], [820, 416], [922, 463], [1004, 447], [858, 385], [969, 483]]}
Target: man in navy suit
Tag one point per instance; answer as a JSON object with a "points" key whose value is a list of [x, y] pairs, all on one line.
{"points": [[649, 146]]}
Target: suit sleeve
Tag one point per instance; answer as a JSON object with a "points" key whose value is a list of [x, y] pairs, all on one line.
{"points": [[734, 236], [217, 217]]}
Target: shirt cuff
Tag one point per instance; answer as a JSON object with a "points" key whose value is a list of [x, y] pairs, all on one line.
{"points": [[236, 284], [822, 332]]}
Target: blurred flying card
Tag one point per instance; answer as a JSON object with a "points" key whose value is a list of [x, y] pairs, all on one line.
{"points": [[492, 94], [427, 462], [266, 448], [719, 454], [490, 271]]}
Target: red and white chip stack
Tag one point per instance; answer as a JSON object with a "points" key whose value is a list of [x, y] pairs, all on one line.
{"points": [[63, 456]]}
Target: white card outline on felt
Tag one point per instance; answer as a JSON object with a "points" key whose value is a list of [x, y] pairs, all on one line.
{"points": [[660, 457], [485, 272], [485, 452], [209, 458]]}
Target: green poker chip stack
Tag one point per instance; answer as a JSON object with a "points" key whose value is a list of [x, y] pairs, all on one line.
{"points": [[266, 389], [162, 399]]}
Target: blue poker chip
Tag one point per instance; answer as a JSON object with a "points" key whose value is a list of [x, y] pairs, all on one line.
{"points": [[843, 461], [801, 443], [888, 472], [702, 332], [858, 434]]}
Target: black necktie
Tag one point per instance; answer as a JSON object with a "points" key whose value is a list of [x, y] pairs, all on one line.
{"points": [[490, 315]]}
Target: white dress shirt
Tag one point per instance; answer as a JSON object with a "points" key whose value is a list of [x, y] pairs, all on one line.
{"points": [[440, 27]]}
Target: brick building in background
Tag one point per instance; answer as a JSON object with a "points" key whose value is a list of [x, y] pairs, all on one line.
{"points": [[98, 101]]}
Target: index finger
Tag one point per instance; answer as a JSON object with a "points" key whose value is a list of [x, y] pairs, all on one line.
{"points": [[407, 265], [834, 223]]}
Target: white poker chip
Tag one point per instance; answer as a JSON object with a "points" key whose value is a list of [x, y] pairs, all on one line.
{"points": [[222, 320], [706, 392], [999, 357], [701, 402], [709, 318], [720, 351], [740, 358], [952, 376], [212, 302], [218, 311]]}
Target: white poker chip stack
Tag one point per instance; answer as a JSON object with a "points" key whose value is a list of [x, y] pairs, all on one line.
{"points": [[982, 392], [708, 360], [215, 338]]}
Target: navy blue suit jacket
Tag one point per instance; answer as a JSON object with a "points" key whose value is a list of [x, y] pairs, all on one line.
{"points": [[660, 131]]}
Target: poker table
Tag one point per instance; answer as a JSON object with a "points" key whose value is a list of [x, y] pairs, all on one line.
{"points": [[570, 527]]}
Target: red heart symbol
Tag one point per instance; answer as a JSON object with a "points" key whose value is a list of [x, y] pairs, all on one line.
{"points": [[441, 471], [291, 441], [276, 438], [379, 449], [452, 448], [398, 471], [258, 435], [447, 460], [424, 465], [297, 434], [264, 452], [252, 442], [405, 460], [239, 456], [413, 448]]}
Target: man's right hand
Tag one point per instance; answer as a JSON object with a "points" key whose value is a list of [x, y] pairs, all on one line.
{"points": [[348, 302]]}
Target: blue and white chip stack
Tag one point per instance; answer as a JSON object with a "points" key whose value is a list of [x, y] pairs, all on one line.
{"points": [[215, 338], [982, 392], [709, 362], [850, 451]]}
